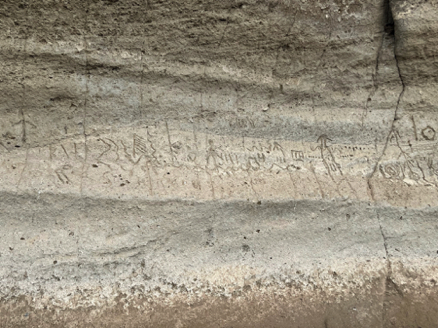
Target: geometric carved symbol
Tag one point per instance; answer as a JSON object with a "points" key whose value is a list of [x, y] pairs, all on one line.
{"points": [[297, 155], [392, 171], [428, 133], [139, 145]]}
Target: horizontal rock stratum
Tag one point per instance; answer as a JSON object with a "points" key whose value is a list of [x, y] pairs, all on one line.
{"points": [[258, 163]]}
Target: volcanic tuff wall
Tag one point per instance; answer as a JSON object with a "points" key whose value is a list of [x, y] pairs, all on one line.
{"points": [[218, 163]]}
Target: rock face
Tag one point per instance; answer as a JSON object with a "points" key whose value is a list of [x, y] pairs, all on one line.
{"points": [[258, 163]]}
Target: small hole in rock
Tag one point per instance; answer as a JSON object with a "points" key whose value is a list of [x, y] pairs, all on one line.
{"points": [[245, 248], [329, 229], [54, 262]]}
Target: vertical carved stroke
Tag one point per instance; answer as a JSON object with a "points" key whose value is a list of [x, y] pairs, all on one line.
{"points": [[84, 117]]}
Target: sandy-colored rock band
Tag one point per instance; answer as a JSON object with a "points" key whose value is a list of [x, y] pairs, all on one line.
{"points": [[218, 163]]}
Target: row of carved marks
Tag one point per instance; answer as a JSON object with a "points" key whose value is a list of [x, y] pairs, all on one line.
{"points": [[173, 159], [412, 152], [161, 160], [223, 157], [423, 127], [412, 170], [55, 167], [408, 168]]}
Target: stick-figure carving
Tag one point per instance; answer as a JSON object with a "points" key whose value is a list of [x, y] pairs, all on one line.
{"points": [[213, 156], [327, 155]]}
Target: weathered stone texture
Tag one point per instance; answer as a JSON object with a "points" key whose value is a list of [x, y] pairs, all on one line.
{"points": [[218, 163]]}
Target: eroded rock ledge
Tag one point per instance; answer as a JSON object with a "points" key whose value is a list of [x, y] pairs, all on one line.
{"points": [[218, 164]]}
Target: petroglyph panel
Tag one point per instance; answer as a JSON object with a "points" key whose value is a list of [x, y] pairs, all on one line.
{"points": [[411, 151], [162, 160], [171, 159], [218, 163]]}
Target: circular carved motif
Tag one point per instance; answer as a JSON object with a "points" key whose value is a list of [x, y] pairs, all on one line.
{"points": [[428, 133], [392, 171]]}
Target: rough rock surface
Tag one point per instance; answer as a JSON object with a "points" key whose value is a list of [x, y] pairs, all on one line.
{"points": [[254, 163]]}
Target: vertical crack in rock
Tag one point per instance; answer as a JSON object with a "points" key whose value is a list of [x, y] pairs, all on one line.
{"points": [[389, 31], [376, 71], [390, 288]]}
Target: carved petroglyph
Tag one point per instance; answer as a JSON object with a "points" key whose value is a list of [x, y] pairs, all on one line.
{"points": [[62, 175], [297, 155], [428, 133], [164, 160], [139, 147], [411, 157]]}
